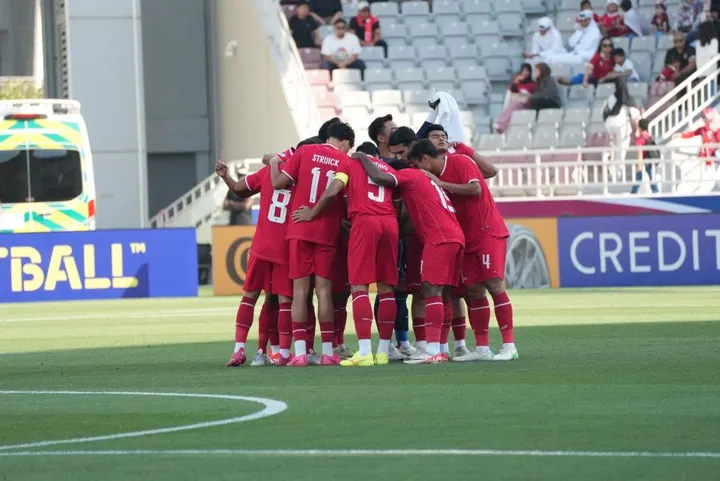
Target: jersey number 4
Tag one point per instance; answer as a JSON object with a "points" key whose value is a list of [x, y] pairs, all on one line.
{"points": [[278, 206], [330, 174]]}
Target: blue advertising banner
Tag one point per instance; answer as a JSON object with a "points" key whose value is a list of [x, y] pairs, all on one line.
{"points": [[652, 250], [104, 264]]}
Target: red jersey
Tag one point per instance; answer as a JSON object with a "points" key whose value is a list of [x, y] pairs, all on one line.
{"points": [[477, 214], [312, 168], [661, 22], [614, 24], [461, 148], [601, 66], [272, 218], [363, 195], [708, 137], [430, 208]]}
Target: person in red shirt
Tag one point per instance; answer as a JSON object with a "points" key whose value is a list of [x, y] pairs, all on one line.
{"points": [[710, 133], [312, 245], [373, 243], [433, 217], [483, 264], [601, 67], [267, 265], [612, 22]]}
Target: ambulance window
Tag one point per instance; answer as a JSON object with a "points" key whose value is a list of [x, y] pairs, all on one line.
{"points": [[56, 175], [13, 177]]}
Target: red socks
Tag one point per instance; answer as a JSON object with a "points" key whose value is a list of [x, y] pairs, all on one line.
{"points": [[434, 316], [479, 312], [504, 315], [362, 314], [284, 319], [244, 318], [458, 328], [419, 328], [267, 313], [387, 312]]}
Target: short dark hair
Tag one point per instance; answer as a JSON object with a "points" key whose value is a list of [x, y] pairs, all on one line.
{"points": [[323, 130], [342, 131], [625, 5], [619, 51], [706, 33], [433, 128], [584, 2], [402, 136], [420, 148], [644, 124], [368, 148], [340, 20], [309, 141], [377, 127]]}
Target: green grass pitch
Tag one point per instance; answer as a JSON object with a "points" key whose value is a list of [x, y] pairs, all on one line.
{"points": [[603, 377]]}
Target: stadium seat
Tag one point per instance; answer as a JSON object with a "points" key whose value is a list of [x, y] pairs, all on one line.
{"points": [[416, 97], [356, 111], [576, 117], [643, 65], [579, 95], [475, 91], [498, 69], [561, 70], [310, 57], [455, 42], [401, 56], [477, 6], [394, 34], [424, 30], [503, 6], [384, 9], [289, 10], [517, 139], [544, 137], [639, 90], [318, 77], [573, 136], [643, 44], [340, 89], [603, 91], [485, 28], [402, 119], [550, 117], [454, 29], [323, 97], [386, 98], [380, 78], [346, 76], [440, 75], [568, 5], [327, 112], [324, 31], [490, 142], [372, 53], [623, 43], [465, 51], [511, 24], [523, 119], [358, 98], [414, 8], [534, 7], [433, 56], [565, 21], [410, 79], [445, 7], [665, 43]]}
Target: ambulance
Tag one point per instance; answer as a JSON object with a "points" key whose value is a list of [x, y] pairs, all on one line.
{"points": [[46, 169]]}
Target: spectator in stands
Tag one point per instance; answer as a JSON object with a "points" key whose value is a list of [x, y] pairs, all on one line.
{"points": [[546, 40], [330, 10], [660, 22], [342, 49], [600, 68], [547, 93], [517, 96], [706, 46], [586, 5], [679, 60], [379, 132], [611, 22], [710, 133], [624, 67], [583, 42], [619, 113], [688, 15], [647, 157], [240, 209], [633, 21], [367, 28], [304, 26]]}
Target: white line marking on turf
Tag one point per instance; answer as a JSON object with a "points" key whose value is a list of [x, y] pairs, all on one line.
{"points": [[271, 408], [370, 452]]}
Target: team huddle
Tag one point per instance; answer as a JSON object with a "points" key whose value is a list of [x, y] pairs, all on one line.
{"points": [[410, 213]]}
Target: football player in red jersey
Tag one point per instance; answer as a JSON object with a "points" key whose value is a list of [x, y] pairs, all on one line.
{"points": [[267, 264], [312, 245], [374, 232], [483, 264], [434, 219]]}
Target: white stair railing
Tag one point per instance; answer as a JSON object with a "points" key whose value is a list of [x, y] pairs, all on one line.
{"points": [[292, 71], [671, 114]]}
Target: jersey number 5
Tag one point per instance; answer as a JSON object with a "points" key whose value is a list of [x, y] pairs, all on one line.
{"points": [[380, 196], [316, 180], [278, 207]]}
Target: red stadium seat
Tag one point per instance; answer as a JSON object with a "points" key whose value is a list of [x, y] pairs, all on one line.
{"points": [[311, 57], [289, 10], [327, 112], [318, 77]]}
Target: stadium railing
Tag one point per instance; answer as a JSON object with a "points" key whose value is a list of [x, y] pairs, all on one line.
{"points": [[671, 114]]}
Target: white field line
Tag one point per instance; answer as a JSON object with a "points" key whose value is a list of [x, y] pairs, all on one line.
{"points": [[271, 407], [214, 311], [372, 453]]}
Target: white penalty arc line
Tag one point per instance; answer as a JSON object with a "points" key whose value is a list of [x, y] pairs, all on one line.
{"points": [[370, 452], [271, 408]]}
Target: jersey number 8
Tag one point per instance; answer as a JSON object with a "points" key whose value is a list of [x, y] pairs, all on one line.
{"points": [[278, 206]]}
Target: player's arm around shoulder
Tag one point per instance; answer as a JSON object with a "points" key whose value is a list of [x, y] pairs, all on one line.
{"points": [[306, 214], [282, 179], [374, 172], [487, 168]]}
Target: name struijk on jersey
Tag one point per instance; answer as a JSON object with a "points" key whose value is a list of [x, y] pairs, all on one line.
{"points": [[321, 159]]}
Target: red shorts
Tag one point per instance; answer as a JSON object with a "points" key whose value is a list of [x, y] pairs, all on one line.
{"points": [[308, 258], [340, 265], [374, 247], [263, 275], [413, 256], [486, 263], [440, 265]]}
